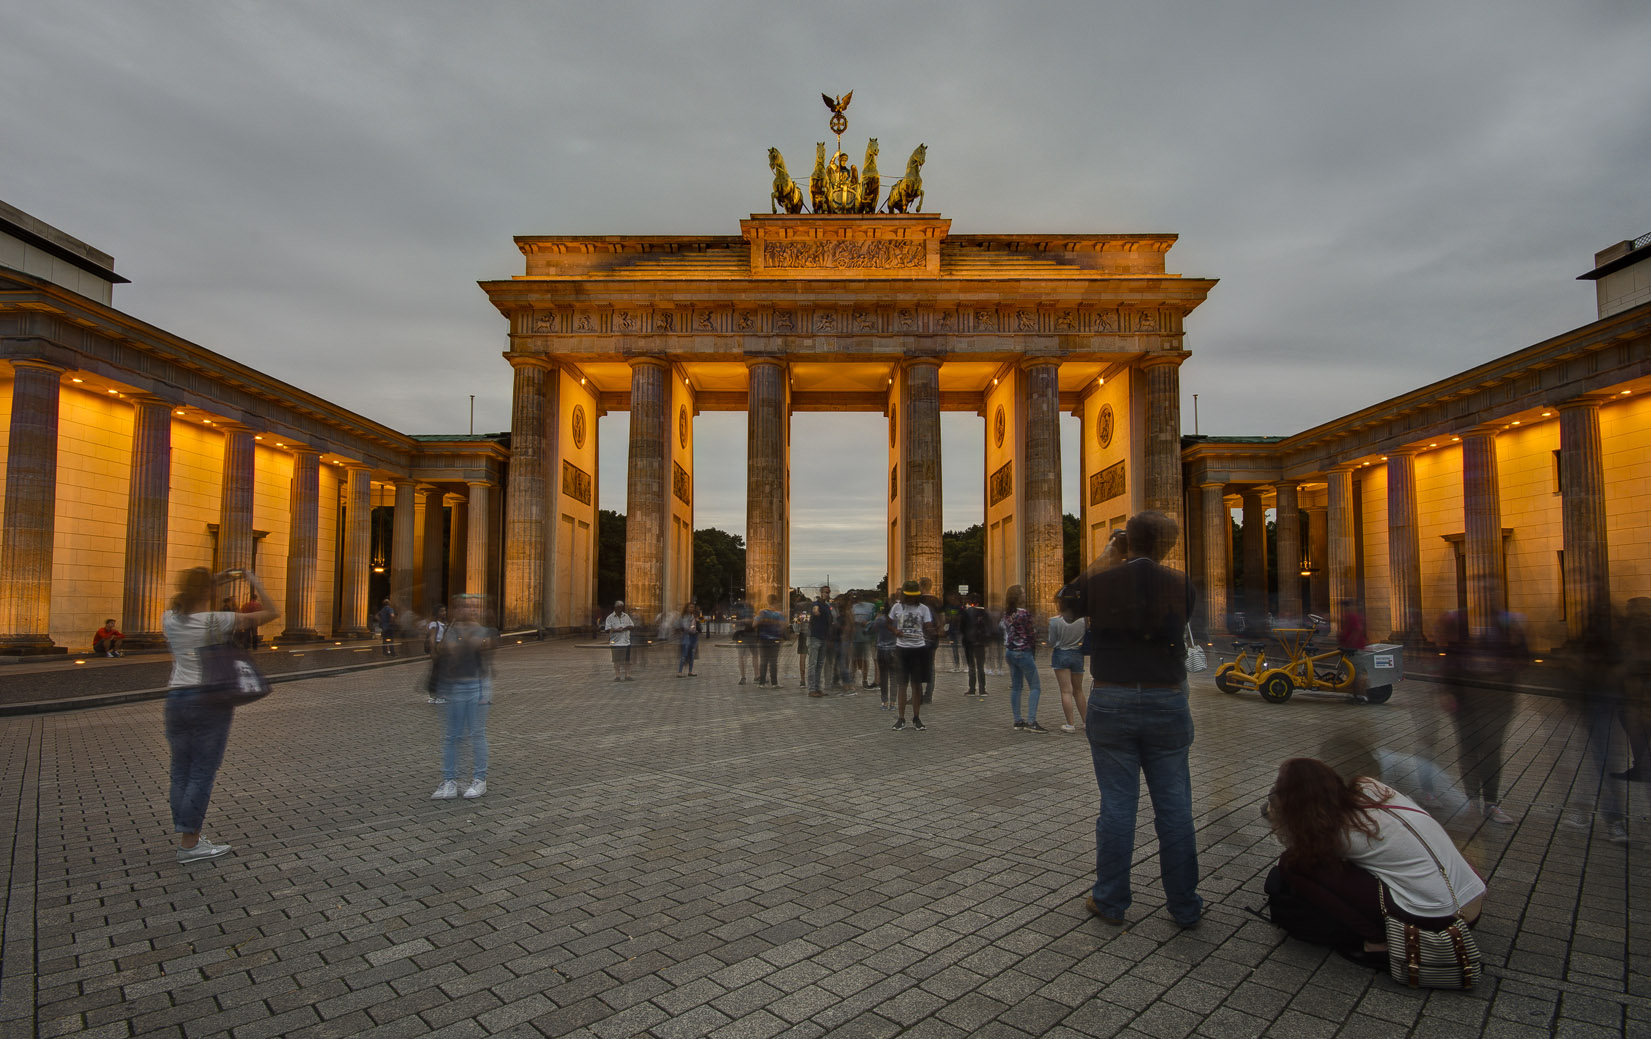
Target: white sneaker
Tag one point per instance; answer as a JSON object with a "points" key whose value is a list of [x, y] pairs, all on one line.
{"points": [[1069, 728], [476, 788], [203, 849], [447, 789]]}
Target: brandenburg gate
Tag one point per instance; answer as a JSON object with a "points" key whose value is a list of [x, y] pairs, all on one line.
{"points": [[891, 313]]}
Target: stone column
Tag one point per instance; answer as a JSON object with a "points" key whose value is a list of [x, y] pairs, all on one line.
{"points": [[1339, 548], [524, 523], [766, 527], [476, 546], [1255, 558], [1587, 559], [1163, 447], [1404, 549], [353, 608], [647, 517], [1482, 526], [30, 513], [1288, 564], [1318, 550], [303, 544], [435, 547], [235, 502], [457, 536], [1041, 447], [144, 596], [920, 474], [1217, 527], [401, 546]]}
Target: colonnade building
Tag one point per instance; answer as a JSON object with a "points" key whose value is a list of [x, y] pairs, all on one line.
{"points": [[131, 454]]}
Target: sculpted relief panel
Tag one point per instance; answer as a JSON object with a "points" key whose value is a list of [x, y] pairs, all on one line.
{"points": [[641, 318], [875, 255]]}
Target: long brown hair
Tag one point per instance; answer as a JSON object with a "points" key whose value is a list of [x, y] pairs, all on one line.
{"points": [[1314, 809], [195, 591]]}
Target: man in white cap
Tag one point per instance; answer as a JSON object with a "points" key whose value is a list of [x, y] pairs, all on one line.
{"points": [[618, 625]]}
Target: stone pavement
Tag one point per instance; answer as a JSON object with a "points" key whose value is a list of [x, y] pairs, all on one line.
{"points": [[690, 857]]}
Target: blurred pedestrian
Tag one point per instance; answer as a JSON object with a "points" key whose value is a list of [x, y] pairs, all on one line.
{"points": [[197, 725], [435, 630], [977, 635], [888, 663], [799, 627], [913, 624], [619, 626], [822, 634], [932, 639], [1633, 677], [770, 631], [387, 627], [1138, 721], [1020, 644], [1066, 638], [1480, 672], [464, 665], [688, 629]]}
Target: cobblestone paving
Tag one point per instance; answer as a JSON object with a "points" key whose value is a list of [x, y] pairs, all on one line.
{"points": [[685, 857]]}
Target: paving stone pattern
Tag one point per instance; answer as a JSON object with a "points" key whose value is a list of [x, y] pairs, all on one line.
{"points": [[688, 857]]}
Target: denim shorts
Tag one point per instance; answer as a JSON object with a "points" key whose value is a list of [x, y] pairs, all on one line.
{"points": [[1067, 660]]}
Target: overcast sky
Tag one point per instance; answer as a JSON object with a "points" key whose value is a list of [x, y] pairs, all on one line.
{"points": [[1388, 192]]}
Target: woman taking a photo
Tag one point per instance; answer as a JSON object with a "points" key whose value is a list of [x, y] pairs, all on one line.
{"points": [[197, 726], [1350, 847], [464, 678]]}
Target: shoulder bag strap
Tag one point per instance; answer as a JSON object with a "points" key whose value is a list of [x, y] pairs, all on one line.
{"points": [[1430, 854]]}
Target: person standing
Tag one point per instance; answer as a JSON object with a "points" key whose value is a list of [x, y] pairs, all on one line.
{"points": [[108, 640], [197, 727], [435, 630], [1066, 631], [799, 627], [822, 632], [888, 665], [1138, 720], [770, 630], [932, 637], [464, 666], [977, 632], [913, 626], [618, 625], [688, 627], [1020, 651], [386, 617]]}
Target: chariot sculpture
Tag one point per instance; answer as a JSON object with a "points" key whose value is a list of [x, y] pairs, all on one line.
{"points": [[835, 186]]}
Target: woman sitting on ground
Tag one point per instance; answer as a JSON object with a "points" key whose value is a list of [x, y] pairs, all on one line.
{"points": [[1346, 844]]}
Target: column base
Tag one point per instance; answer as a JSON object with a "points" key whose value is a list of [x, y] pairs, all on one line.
{"points": [[145, 640], [28, 646], [353, 633], [301, 635]]}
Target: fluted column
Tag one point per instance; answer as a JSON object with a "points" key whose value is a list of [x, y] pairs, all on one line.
{"points": [[1163, 448], [920, 474], [647, 518], [1404, 549], [1318, 550], [358, 546], [143, 598], [1287, 566], [435, 546], [29, 519], [1045, 543], [235, 501], [1582, 497], [1255, 557], [402, 533], [766, 510], [1217, 528], [303, 544], [1482, 526], [476, 538], [457, 537], [524, 524], [1339, 561]]}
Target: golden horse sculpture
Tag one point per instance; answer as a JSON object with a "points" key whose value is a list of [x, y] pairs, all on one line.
{"points": [[909, 189], [869, 181], [786, 194], [817, 180]]}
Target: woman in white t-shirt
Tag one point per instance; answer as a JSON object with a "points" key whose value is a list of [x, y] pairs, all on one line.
{"points": [[1345, 843], [198, 730], [1066, 631]]}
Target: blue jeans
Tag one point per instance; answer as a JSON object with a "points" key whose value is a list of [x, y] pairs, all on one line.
{"points": [[465, 713], [198, 732], [690, 649], [1135, 730], [1023, 665], [820, 657]]}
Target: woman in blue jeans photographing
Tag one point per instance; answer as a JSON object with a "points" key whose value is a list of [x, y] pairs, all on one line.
{"points": [[464, 678], [1138, 721]]}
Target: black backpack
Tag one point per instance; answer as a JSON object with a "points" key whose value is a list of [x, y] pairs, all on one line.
{"points": [[977, 625]]}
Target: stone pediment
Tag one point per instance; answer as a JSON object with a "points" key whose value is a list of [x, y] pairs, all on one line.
{"points": [[845, 246]]}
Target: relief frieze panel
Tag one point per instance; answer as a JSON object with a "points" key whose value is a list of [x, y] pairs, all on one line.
{"points": [[829, 255], [647, 319]]}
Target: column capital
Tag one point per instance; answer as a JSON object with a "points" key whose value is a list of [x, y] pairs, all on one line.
{"points": [[1159, 360], [1408, 451], [1292, 483], [149, 399], [1343, 467], [1487, 430], [230, 426], [914, 362], [649, 362], [759, 361], [1039, 361], [478, 483], [1587, 400], [301, 449], [1214, 485], [524, 360], [36, 363]]}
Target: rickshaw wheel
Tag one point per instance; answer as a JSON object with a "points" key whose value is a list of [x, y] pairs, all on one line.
{"points": [[1223, 678], [1379, 694], [1276, 686]]}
